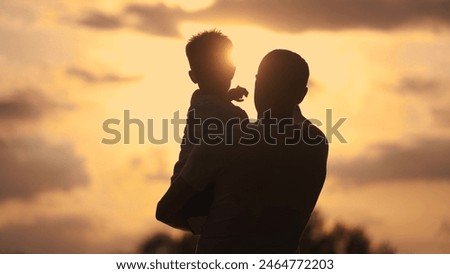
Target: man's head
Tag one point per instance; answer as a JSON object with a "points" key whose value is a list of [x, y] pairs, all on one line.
{"points": [[209, 58], [281, 82]]}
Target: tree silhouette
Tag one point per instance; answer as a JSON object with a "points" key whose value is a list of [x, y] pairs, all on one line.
{"points": [[341, 239], [315, 240]]}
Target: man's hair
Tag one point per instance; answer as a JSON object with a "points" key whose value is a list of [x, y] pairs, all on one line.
{"points": [[285, 67], [281, 81], [282, 74], [207, 49]]}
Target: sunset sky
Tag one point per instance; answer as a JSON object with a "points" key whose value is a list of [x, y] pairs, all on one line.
{"points": [[67, 66]]}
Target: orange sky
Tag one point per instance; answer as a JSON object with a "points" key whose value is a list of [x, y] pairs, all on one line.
{"points": [[68, 66]]}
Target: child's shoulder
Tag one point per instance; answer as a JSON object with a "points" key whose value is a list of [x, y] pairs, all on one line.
{"points": [[197, 97], [208, 105]]}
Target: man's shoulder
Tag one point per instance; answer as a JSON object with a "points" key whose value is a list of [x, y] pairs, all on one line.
{"points": [[313, 135]]}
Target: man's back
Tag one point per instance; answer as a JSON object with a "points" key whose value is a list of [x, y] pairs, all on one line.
{"points": [[263, 193]]}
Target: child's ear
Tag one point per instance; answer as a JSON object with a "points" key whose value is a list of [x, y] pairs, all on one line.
{"points": [[193, 77]]}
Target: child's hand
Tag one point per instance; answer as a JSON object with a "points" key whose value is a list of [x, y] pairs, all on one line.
{"points": [[237, 93]]}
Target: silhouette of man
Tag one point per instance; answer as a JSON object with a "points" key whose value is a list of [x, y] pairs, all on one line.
{"points": [[265, 185]]}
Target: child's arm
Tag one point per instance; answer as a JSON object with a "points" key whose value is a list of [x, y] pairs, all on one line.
{"points": [[237, 93]]}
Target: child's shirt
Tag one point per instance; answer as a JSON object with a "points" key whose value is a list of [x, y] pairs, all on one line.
{"points": [[204, 105]]}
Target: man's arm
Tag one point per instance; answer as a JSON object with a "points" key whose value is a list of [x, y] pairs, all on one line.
{"points": [[199, 171], [170, 209]]}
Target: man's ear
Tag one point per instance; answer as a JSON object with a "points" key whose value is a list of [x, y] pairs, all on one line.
{"points": [[193, 77], [301, 95]]}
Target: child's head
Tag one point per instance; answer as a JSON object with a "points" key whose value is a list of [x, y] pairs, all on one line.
{"points": [[209, 58]]}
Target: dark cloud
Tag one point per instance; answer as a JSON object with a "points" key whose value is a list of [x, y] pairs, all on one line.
{"points": [[99, 20], [152, 19], [158, 19], [427, 160], [30, 166], [294, 15], [445, 228], [283, 15], [92, 78], [28, 103], [62, 235], [419, 86], [432, 93], [441, 116]]}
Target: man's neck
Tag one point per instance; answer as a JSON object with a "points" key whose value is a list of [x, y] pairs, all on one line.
{"points": [[295, 115], [298, 116]]}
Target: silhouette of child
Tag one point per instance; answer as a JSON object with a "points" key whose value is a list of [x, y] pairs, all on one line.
{"points": [[212, 70]]}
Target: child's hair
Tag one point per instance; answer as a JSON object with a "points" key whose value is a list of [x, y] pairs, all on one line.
{"points": [[207, 50]]}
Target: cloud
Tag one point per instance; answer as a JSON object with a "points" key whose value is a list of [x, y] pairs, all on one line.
{"points": [[283, 15], [151, 19], [99, 20], [426, 160], [92, 78], [61, 235], [30, 166], [441, 116], [444, 229], [295, 16], [27, 103], [431, 91], [432, 94], [158, 19], [419, 86]]}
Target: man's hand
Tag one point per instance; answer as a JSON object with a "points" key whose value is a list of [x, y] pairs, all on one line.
{"points": [[237, 94]]}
